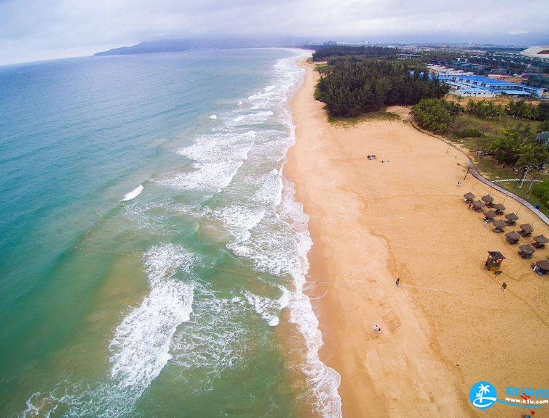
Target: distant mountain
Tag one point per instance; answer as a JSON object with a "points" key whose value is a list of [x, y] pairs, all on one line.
{"points": [[184, 45]]}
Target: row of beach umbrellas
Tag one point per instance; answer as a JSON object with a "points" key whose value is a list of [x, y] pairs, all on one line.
{"points": [[513, 237]]}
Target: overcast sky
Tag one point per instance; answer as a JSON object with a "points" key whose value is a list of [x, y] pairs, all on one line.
{"points": [[32, 30]]}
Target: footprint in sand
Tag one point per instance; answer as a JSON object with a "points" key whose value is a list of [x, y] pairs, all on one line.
{"points": [[391, 321]]}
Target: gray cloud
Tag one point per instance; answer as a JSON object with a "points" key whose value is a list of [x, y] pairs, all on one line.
{"points": [[43, 29]]}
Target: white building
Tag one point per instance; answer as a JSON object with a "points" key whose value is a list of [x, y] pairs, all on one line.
{"points": [[541, 52]]}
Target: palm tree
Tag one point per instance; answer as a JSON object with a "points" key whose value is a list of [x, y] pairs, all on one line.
{"points": [[482, 390]]}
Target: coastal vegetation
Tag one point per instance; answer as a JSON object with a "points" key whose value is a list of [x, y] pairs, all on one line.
{"points": [[350, 88], [486, 109], [506, 141], [541, 191], [328, 52], [435, 115]]}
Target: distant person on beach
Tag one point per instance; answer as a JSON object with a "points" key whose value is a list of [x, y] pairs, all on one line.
{"points": [[376, 328], [459, 183], [398, 281], [503, 286]]}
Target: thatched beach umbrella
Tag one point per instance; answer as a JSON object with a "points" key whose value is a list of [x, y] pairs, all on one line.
{"points": [[488, 199], [526, 229], [469, 197], [499, 208], [493, 263], [499, 225], [511, 218], [540, 241], [542, 266], [526, 251], [489, 214], [478, 205], [512, 237]]}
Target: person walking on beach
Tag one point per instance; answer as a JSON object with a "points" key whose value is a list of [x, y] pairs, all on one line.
{"points": [[503, 286], [398, 281], [376, 328]]}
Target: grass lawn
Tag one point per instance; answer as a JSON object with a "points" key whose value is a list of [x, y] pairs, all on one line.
{"points": [[366, 117], [491, 129], [487, 169]]}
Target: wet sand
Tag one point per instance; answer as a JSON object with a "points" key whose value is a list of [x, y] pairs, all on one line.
{"points": [[448, 325]]}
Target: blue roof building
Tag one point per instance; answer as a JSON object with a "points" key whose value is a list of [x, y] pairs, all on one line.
{"points": [[478, 86]]}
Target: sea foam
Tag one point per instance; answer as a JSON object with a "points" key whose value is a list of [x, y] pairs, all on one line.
{"points": [[217, 157], [133, 194], [140, 345]]}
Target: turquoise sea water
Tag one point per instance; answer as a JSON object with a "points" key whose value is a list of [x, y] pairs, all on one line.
{"points": [[152, 255]]}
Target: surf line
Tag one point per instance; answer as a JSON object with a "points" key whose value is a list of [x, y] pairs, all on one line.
{"points": [[141, 253]]}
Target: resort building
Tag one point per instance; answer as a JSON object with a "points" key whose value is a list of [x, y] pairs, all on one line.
{"points": [[541, 52], [477, 86]]}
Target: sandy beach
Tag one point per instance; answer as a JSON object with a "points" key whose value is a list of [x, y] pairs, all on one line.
{"points": [[448, 325]]}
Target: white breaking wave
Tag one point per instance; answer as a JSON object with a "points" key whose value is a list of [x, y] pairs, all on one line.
{"points": [[265, 225], [217, 159], [279, 244], [141, 342], [324, 380], [269, 309], [133, 194]]}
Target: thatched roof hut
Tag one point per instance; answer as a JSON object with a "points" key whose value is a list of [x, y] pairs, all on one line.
{"points": [[527, 248], [499, 225], [512, 217], [512, 237], [495, 258], [526, 229], [478, 205], [526, 251], [469, 196], [499, 208], [540, 239], [543, 265], [489, 214]]}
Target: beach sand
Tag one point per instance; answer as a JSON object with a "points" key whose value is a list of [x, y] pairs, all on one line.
{"points": [[448, 325]]}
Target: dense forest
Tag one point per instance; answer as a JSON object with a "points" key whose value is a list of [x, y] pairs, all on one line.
{"points": [[352, 88], [323, 53]]}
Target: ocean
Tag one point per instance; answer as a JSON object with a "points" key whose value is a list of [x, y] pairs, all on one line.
{"points": [[152, 254]]}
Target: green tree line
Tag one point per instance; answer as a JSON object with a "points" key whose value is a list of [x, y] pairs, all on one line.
{"points": [[351, 88], [519, 147], [485, 109], [323, 53], [435, 115]]}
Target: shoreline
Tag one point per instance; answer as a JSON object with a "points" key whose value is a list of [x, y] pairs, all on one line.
{"points": [[372, 222]]}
